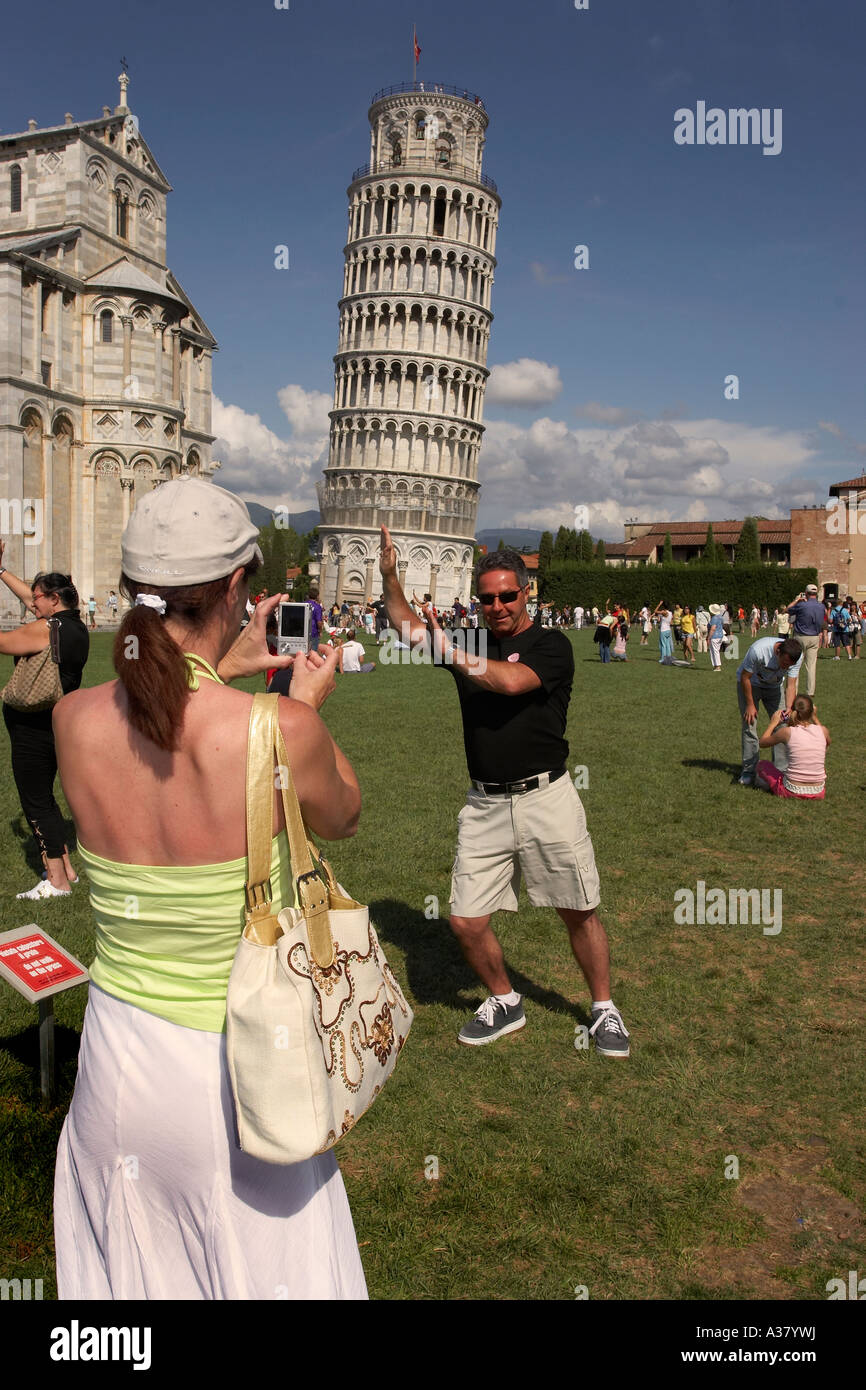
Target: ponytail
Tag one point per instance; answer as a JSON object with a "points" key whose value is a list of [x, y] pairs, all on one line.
{"points": [[149, 663], [802, 711]]}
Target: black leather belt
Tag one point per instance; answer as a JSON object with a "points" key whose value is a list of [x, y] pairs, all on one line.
{"points": [[529, 784]]}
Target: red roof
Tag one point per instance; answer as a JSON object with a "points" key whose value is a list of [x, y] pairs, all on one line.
{"points": [[852, 485], [728, 532]]}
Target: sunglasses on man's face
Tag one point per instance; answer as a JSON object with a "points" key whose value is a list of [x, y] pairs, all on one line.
{"points": [[508, 597]]}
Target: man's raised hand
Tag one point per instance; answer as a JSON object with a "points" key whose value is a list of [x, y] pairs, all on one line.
{"points": [[387, 555]]}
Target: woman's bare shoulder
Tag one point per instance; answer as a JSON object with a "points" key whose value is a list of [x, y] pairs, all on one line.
{"points": [[84, 703]]}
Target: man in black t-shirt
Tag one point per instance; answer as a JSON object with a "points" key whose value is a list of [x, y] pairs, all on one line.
{"points": [[381, 618], [522, 813]]}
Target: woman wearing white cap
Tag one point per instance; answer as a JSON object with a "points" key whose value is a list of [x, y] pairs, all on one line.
{"points": [[153, 1197]]}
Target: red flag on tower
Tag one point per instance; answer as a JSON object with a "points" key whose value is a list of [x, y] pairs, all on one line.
{"points": [[417, 45]]}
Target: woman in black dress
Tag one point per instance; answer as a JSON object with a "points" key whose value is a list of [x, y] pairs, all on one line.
{"points": [[34, 762]]}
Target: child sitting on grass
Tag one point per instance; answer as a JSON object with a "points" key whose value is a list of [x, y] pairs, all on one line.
{"points": [[807, 742]]}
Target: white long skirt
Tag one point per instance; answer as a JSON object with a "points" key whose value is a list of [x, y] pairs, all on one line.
{"points": [[153, 1198]]}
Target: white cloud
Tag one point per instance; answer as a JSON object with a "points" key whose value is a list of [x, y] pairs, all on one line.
{"points": [[524, 382], [542, 276], [699, 469], [259, 464], [606, 414], [306, 411]]}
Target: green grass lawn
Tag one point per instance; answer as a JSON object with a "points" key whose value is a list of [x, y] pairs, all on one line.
{"points": [[558, 1168]]}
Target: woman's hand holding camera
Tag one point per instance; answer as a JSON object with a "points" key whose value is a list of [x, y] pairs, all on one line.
{"points": [[313, 677]]}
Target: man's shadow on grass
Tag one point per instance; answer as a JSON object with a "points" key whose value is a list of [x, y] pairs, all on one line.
{"points": [[24, 835], [734, 770], [435, 969]]}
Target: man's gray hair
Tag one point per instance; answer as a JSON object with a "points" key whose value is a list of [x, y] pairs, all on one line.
{"points": [[505, 559]]}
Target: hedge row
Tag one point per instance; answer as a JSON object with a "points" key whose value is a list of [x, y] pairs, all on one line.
{"points": [[768, 585]]}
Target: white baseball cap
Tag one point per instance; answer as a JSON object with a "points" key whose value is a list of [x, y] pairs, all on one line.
{"points": [[811, 588], [187, 531]]}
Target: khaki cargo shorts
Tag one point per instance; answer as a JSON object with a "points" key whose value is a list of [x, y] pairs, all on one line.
{"points": [[541, 834]]}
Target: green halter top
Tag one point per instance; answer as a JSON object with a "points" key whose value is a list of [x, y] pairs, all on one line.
{"points": [[166, 935]]}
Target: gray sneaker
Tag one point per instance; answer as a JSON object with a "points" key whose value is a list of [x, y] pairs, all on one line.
{"points": [[491, 1021], [610, 1033]]}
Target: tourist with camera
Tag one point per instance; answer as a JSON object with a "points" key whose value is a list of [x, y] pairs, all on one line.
{"points": [[154, 1199]]}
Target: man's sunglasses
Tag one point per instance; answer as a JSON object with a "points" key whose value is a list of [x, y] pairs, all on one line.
{"points": [[508, 597]]}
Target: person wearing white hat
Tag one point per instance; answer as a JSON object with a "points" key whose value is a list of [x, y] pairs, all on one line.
{"points": [[153, 766], [716, 635]]}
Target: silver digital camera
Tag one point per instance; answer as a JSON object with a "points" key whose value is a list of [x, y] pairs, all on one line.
{"points": [[293, 628]]}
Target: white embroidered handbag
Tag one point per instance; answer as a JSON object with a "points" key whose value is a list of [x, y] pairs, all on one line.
{"points": [[315, 1019]]}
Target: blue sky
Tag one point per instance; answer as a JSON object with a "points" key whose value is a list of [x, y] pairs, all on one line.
{"points": [[608, 383]]}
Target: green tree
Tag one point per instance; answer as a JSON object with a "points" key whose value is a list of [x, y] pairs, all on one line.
{"points": [[560, 545], [585, 548], [708, 557], [571, 546], [501, 545], [276, 545], [748, 549], [545, 553], [668, 550], [600, 555]]}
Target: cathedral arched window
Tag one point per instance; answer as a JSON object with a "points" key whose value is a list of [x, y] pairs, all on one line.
{"points": [[106, 326], [15, 188], [121, 225]]}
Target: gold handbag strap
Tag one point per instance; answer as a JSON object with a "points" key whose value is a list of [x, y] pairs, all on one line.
{"points": [[266, 741]]}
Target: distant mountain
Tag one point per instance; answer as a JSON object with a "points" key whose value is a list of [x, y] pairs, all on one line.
{"points": [[301, 521], [516, 536], [519, 537]]}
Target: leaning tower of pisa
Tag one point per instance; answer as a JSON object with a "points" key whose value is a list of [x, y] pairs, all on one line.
{"points": [[410, 367]]}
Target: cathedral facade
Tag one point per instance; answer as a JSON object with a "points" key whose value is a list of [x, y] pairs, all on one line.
{"points": [[105, 365], [410, 367]]}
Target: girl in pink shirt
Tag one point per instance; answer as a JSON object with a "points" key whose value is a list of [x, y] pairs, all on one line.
{"points": [[807, 742]]}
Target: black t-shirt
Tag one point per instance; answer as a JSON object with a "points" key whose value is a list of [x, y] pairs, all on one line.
{"points": [[510, 737], [74, 644]]}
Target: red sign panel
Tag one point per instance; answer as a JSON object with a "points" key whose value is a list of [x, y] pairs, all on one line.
{"points": [[35, 964]]}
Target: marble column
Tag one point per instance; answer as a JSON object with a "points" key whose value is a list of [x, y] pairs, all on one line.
{"points": [[126, 320], [338, 593], [434, 575], [175, 366], [125, 495], [58, 337], [36, 361], [368, 577]]}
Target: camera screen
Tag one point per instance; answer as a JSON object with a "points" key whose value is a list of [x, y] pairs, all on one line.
{"points": [[292, 617]]}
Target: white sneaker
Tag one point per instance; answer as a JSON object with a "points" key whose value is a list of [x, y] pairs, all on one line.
{"points": [[44, 889]]}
